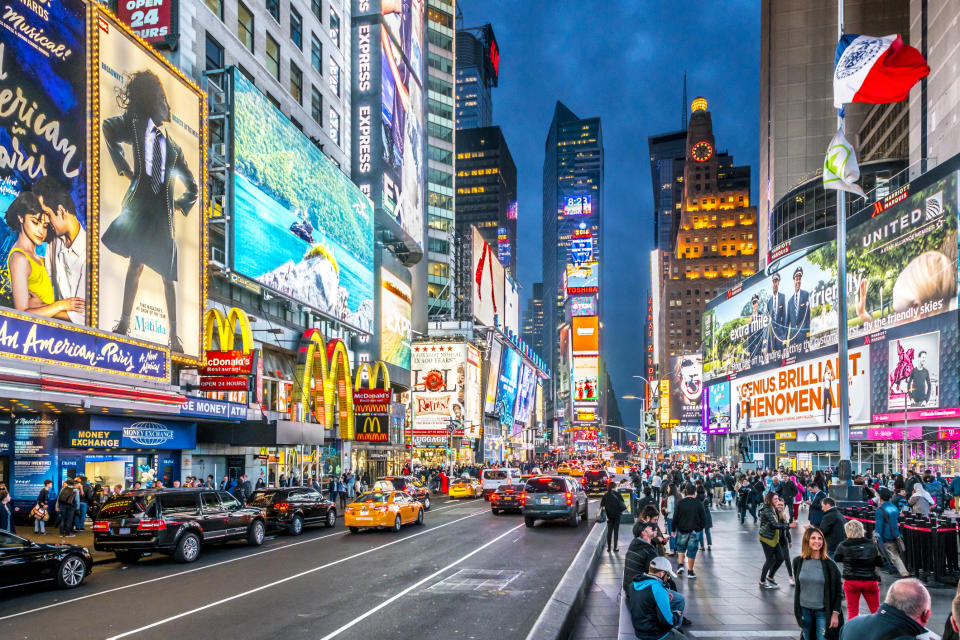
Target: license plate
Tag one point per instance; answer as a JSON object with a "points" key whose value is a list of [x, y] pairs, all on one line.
{"points": [[363, 518], [363, 513], [124, 531], [544, 500]]}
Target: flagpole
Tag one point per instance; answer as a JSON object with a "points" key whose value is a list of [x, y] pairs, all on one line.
{"points": [[843, 377]]}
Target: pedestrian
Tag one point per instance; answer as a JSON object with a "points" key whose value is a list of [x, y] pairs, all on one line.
{"points": [[640, 552], [85, 494], [788, 493], [786, 539], [708, 521], [65, 509], [817, 494], [887, 531], [860, 557], [612, 505], [744, 496], [40, 512], [772, 527], [6, 512], [667, 505], [689, 520], [921, 501], [951, 630], [816, 600], [655, 611], [656, 481], [904, 614], [832, 525]]}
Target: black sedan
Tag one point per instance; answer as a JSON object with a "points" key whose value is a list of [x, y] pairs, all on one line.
{"points": [[292, 508], [507, 497], [23, 562]]}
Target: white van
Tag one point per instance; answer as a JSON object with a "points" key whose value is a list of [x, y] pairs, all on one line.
{"points": [[492, 478]]}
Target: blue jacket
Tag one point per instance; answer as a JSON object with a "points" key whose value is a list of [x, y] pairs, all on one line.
{"points": [[649, 606], [886, 527], [955, 485], [816, 508]]}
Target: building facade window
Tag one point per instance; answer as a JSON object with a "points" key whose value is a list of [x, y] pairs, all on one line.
{"points": [[335, 27], [296, 28], [316, 55], [273, 57], [334, 126], [245, 26], [296, 83], [214, 54], [316, 106], [273, 8], [334, 77], [216, 6], [316, 6]]}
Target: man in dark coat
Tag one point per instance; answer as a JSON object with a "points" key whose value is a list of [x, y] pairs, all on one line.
{"points": [[817, 495], [639, 554], [777, 310], [831, 524], [145, 231], [903, 614], [613, 505]]}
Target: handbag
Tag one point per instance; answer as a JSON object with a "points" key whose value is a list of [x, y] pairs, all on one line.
{"points": [[39, 513], [601, 516]]}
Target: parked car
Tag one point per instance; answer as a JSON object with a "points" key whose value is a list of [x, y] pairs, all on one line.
{"points": [[493, 478], [175, 522], [24, 562], [506, 498], [293, 508], [379, 509], [405, 483], [553, 498]]}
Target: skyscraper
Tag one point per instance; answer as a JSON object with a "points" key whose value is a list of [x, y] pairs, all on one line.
{"points": [[572, 248], [533, 319], [667, 152], [478, 67]]}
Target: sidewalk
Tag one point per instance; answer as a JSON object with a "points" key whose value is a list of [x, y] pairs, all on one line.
{"points": [[724, 600]]}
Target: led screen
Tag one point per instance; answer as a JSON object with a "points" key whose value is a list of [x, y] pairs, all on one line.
{"points": [[396, 299], [509, 386], [686, 387], [578, 205], [586, 378], [525, 394], [586, 334], [583, 278], [583, 306]]}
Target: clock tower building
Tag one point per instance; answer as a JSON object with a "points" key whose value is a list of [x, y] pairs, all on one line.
{"points": [[716, 242]]}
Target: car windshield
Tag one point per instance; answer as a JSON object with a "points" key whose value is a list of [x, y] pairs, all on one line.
{"points": [[262, 498], [462, 481], [495, 475], [373, 496], [546, 485], [598, 473], [125, 505], [507, 488], [179, 502]]}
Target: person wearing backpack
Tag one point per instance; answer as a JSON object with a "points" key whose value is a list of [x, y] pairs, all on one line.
{"points": [[66, 508]]}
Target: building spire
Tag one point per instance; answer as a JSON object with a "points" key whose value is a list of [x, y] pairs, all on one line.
{"points": [[683, 105]]}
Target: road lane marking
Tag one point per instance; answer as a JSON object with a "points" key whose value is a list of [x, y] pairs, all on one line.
{"points": [[185, 572], [415, 585], [289, 578]]}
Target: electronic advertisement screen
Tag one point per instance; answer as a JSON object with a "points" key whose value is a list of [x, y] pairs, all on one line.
{"points": [[583, 306], [43, 176], [686, 389], [300, 227], [688, 441], [402, 113], [577, 205], [472, 405], [583, 278], [439, 379], [494, 358], [716, 409], [790, 313], [509, 386], [586, 334], [525, 394], [581, 247], [152, 188], [586, 378], [396, 300]]}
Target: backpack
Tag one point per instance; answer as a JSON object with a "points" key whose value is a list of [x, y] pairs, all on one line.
{"points": [[65, 496]]}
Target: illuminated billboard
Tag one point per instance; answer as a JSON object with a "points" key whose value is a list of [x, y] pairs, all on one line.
{"points": [[586, 378], [509, 386], [150, 19], [581, 205], [439, 378], [526, 394], [583, 278], [494, 358], [583, 306], [151, 232], [503, 246], [686, 389], [716, 409], [473, 402], [300, 227], [581, 247], [512, 211], [586, 334], [396, 300], [488, 284]]}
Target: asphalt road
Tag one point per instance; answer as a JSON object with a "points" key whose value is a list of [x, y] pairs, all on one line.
{"points": [[466, 574]]}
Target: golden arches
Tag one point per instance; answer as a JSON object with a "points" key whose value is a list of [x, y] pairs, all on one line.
{"points": [[372, 375], [226, 327]]}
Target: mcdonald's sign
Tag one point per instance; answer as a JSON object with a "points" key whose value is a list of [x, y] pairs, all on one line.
{"points": [[227, 361], [374, 427]]}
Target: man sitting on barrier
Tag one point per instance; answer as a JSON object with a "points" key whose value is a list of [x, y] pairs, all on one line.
{"points": [[655, 610]]}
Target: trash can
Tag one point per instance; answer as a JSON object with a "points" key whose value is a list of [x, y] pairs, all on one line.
{"points": [[627, 516]]}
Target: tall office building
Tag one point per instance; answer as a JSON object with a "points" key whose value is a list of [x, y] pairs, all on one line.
{"points": [[716, 237], [572, 258], [441, 65], [533, 319], [797, 116], [667, 152], [478, 67]]}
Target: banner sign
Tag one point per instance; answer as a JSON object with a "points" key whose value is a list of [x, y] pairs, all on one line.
{"points": [[228, 363], [52, 342], [231, 383], [143, 434], [207, 408], [149, 19]]}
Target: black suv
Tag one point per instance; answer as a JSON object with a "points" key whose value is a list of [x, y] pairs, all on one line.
{"points": [[553, 498], [292, 508], [173, 521], [596, 479], [408, 484]]}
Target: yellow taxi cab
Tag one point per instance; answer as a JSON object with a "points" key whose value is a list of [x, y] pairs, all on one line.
{"points": [[563, 468], [465, 488], [382, 509], [576, 471]]}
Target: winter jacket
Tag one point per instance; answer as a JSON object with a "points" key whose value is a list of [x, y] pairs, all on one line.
{"points": [[816, 508], [649, 606], [888, 623], [832, 588], [886, 528], [637, 561], [920, 503], [832, 527], [6, 518], [708, 517], [770, 523], [612, 504], [788, 491], [860, 558], [689, 515]]}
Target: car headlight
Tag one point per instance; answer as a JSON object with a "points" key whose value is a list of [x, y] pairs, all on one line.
{"points": [[86, 551]]}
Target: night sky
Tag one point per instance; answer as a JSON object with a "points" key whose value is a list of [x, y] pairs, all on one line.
{"points": [[622, 61]]}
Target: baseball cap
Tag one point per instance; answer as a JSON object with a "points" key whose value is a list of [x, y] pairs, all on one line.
{"points": [[662, 564], [885, 494]]}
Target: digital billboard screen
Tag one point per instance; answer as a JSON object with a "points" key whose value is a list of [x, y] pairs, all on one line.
{"points": [[581, 205], [686, 389], [473, 403], [396, 300], [586, 378], [716, 409], [525, 394], [509, 386], [152, 262], [494, 357], [583, 278], [581, 247], [583, 306], [439, 378], [300, 227], [586, 334]]}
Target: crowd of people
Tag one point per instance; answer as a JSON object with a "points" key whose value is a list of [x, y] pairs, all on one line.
{"points": [[838, 565]]}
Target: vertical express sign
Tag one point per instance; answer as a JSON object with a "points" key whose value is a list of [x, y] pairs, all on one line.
{"points": [[365, 95]]}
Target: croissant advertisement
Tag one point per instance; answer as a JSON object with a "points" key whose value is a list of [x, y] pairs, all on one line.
{"points": [[800, 395]]}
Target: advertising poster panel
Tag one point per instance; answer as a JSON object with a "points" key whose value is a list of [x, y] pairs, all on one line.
{"points": [[402, 113], [802, 394], [152, 189], [525, 394], [579, 205], [149, 19], [716, 409], [583, 278], [509, 385], [472, 397], [586, 334], [586, 378], [34, 456], [789, 313], [300, 227], [439, 374], [43, 147], [581, 246], [493, 377], [583, 306], [488, 283], [396, 304], [686, 389]]}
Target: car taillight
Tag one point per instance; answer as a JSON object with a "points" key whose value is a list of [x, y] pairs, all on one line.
{"points": [[151, 525], [569, 498], [494, 496], [282, 506], [101, 525], [523, 499]]}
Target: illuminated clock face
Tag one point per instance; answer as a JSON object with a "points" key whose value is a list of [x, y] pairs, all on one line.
{"points": [[701, 151]]}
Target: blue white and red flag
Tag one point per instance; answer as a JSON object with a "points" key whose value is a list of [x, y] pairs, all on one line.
{"points": [[875, 69]]}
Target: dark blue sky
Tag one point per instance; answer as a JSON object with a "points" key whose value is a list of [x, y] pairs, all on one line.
{"points": [[622, 61]]}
